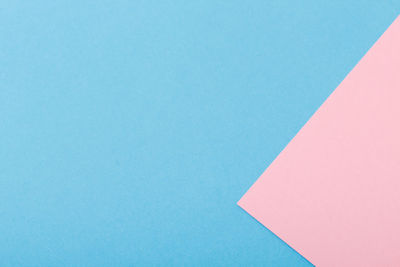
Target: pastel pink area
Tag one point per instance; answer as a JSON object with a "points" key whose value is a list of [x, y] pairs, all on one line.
{"points": [[333, 194]]}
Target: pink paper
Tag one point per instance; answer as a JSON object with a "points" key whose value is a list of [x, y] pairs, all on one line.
{"points": [[333, 194]]}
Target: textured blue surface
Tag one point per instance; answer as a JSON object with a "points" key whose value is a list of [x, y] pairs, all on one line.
{"points": [[130, 129]]}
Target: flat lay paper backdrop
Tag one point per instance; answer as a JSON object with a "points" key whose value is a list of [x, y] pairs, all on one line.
{"points": [[130, 128], [333, 194]]}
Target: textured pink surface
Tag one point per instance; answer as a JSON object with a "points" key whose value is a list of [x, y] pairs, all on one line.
{"points": [[333, 194]]}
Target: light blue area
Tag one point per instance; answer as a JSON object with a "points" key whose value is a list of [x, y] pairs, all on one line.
{"points": [[130, 129]]}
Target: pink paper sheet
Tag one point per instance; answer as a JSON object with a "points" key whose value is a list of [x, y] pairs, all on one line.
{"points": [[333, 194]]}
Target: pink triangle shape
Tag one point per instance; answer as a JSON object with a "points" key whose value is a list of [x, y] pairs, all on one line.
{"points": [[333, 194]]}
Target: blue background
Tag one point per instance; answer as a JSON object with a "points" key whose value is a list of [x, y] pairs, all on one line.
{"points": [[130, 129]]}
